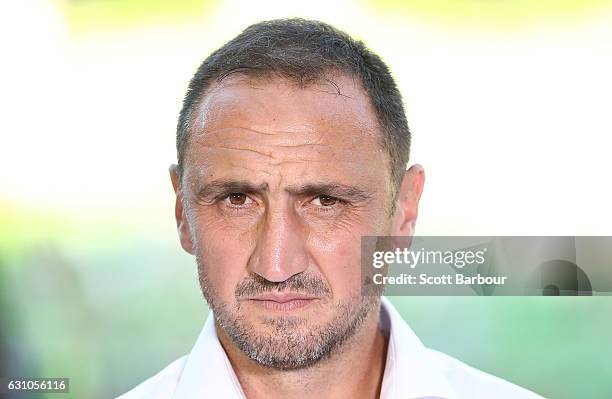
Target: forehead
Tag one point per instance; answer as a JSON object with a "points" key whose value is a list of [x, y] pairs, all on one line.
{"points": [[257, 123], [275, 104]]}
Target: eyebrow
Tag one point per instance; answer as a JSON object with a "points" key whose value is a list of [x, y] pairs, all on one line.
{"points": [[221, 187], [217, 188], [332, 189]]}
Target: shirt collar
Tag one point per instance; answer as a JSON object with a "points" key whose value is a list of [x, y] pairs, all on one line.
{"points": [[208, 372], [410, 372]]}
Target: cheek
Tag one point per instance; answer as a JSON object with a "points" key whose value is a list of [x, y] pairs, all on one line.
{"points": [[337, 255], [223, 259], [336, 248]]}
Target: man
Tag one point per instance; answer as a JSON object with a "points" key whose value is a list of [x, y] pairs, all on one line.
{"points": [[292, 145]]}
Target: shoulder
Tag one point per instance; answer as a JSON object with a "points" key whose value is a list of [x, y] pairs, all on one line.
{"points": [[472, 383], [161, 385]]}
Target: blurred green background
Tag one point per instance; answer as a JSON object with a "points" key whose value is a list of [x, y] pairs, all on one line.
{"points": [[508, 103]]}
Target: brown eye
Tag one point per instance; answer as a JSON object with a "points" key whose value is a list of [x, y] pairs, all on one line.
{"points": [[237, 199], [326, 200]]}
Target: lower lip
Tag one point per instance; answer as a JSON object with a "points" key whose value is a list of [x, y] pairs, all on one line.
{"points": [[283, 306]]}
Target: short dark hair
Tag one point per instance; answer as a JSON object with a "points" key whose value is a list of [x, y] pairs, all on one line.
{"points": [[304, 50]]}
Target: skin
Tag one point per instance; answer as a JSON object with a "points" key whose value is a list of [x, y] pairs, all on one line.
{"points": [[279, 182]]}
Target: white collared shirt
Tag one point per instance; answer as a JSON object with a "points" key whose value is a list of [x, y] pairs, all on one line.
{"points": [[411, 371]]}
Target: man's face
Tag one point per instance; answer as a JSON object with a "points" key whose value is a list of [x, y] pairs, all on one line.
{"points": [[280, 183]]}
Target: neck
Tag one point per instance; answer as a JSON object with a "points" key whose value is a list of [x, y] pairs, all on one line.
{"points": [[331, 377]]}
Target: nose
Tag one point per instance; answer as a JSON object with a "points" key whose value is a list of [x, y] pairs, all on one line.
{"points": [[280, 250]]}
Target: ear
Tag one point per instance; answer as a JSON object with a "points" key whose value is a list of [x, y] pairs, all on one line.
{"points": [[407, 205], [182, 223]]}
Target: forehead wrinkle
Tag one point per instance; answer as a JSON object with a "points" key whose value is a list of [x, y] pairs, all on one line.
{"points": [[220, 130], [254, 148], [211, 103], [250, 169], [217, 137], [278, 157], [310, 152], [229, 148], [288, 155], [275, 158]]}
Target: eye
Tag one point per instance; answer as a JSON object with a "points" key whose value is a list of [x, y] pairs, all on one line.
{"points": [[325, 200], [238, 199]]}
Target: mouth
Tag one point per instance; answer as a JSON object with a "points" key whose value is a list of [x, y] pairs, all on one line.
{"points": [[283, 302]]}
